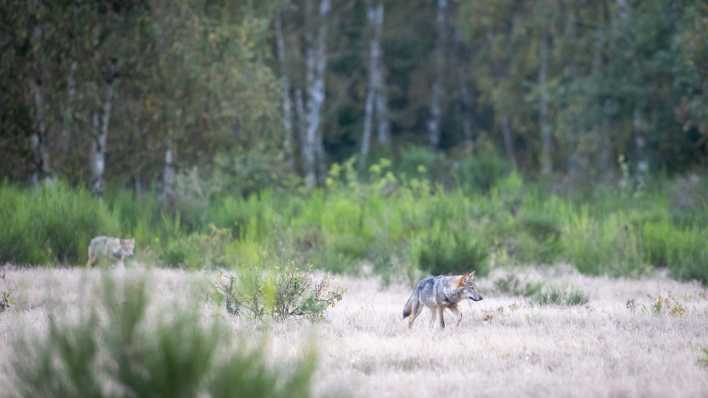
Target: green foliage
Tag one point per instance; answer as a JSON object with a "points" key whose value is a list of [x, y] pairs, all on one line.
{"points": [[704, 358], [481, 170], [51, 223], [513, 285], [445, 251], [115, 350], [539, 293], [557, 296], [602, 246], [279, 292]]}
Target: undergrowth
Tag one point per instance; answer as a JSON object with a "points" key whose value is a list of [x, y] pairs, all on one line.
{"points": [[115, 350], [396, 216]]}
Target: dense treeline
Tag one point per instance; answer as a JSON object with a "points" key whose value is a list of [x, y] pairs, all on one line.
{"points": [[137, 93]]}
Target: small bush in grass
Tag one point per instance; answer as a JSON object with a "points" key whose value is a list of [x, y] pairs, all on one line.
{"points": [[511, 284], [113, 351], [445, 251], [279, 292], [557, 296], [704, 358]]}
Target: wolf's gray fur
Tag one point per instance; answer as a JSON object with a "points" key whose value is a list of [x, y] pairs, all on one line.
{"points": [[106, 246], [439, 293]]}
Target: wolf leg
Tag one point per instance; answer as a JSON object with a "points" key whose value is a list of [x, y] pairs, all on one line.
{"points": [[442, 318], [417, 308], [433, 316], [458, 313]]}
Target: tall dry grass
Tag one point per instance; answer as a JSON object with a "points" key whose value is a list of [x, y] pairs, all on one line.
{"points": [[638, 337]]}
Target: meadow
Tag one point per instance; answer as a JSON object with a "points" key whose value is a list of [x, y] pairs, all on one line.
{"points": [[633, 337], [589, 289]]}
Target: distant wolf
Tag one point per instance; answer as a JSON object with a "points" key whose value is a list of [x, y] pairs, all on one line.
{"points": [[439, 293], [106, 246]]}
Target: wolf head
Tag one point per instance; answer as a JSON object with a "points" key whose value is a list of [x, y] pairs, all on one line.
{"points": [[127, 246], [466, 284]]}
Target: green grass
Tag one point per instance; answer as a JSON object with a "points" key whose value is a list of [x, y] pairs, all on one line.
{"points": [[383, 218]]}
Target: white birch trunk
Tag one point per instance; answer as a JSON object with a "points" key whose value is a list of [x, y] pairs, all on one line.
{"points": [[376, 19], [68, 110], [603, 144], [38, 140], [546, 162], [375, 107], [101, 121], [168, 174], [439, 63], [638, 122], [288, 143], [315, 77]]}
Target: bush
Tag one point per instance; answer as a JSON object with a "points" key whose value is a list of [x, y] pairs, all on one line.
{"points": [[417, 160], [556, 296], [51, 222], [113, 351], [439, 251], [512, 285], [279, 293], [480, 171], [605, 246]]}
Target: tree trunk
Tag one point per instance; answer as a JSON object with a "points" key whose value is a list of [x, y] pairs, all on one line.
{"points": [[375, 17], [38, 140], [508, 140], [300, 123], [288, 143], [316, 63], [546, 161], [168, 175], [101, 121], [439, 64], [67, 112], [604, 158]]}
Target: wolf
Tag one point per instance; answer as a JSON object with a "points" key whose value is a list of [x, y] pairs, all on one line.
{"points": [[106, 246], [439, 293]]}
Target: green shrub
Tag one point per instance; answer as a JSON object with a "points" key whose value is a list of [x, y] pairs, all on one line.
{"points": [[557, 296], [480, 171], [602, 246], [51, 223], [420, 160], [279, 292], [113, 351], [444, 251], [198, 250], [511, 284], [688, 255]]}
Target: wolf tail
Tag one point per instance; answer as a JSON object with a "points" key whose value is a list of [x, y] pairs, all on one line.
{"points": [[410, 304]]}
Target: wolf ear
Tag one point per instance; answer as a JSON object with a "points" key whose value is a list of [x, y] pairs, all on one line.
{"points": [[460, 281], [470, 275]]}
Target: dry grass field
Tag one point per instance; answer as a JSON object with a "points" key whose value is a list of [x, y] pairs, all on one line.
{"points": [[618, 344]]}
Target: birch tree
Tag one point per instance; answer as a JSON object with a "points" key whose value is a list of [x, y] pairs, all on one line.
{"points": [[441, 30], [316, 64], [287, 107], [375, 109]]}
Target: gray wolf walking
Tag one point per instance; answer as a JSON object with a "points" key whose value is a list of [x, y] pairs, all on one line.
{"points": [[439, 293], [106, 246]]}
